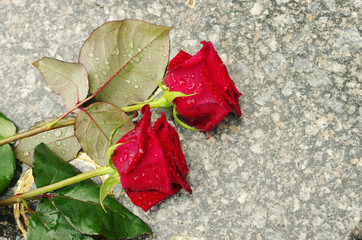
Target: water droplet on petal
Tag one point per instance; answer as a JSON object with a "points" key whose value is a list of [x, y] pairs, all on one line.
{"points": [[90, 55], [92, 48], [136, 179], [136, 86], [190, 102], [97, 58], [191, 86], [26, 154], [106, 62], [182, 82]]}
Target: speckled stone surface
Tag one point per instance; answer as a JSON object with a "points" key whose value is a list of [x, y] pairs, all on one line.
{"points": [[290, 168]]}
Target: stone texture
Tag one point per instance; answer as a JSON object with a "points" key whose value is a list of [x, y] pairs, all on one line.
{"points": [[290, 168]]}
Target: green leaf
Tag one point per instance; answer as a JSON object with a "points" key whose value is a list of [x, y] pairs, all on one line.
{"points": [[77, 207], [125, 59], [7, 158], [7, 128], [7, 166], [94, 125], [49, 168], [62, 141], [80, 204], [48, 223], [107, 187], [69, 80]]}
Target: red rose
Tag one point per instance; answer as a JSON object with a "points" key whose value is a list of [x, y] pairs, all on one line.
{"points": [[150, 162], [206, 75]]}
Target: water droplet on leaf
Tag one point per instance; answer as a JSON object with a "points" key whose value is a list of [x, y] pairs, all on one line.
{"points": [[90, 55], [57, 132]]}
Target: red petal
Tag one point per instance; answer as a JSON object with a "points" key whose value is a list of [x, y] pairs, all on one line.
{"points": [[178, 59], [147, 199], [127, 155], [171, 144], [151, 171]]}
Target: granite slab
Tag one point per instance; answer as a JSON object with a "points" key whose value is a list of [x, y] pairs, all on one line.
{"points": [[290, 168]]}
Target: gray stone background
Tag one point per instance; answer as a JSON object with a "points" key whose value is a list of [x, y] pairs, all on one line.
{"points": [[290, 168]]}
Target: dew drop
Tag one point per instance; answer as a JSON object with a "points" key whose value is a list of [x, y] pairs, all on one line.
{"points": [[26, 154], [57, 143], [106, 62], [161, 48], [63, 152], [136, 59], [57, 132], [148, 74], [139, 49], [97, 58], [90, 55], [186, 75], [192, 86], [164, 54], [136, 86], [96, 75], [128, 81], [92, 48], [182, 82], [104, 73], [130, 44], [136, 179], [190, 102], [129, 55]]}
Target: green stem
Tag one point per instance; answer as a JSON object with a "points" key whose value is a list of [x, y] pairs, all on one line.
{"points": [[39, 191], [159, 103], [33, 131]]}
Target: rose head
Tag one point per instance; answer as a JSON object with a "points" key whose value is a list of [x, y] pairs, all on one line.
{"points": [[206, 75], [150, 162]]}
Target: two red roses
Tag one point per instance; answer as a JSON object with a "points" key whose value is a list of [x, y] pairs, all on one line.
{"points": [[150, 161]]}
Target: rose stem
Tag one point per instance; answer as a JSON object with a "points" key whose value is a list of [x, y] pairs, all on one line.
{"points": [[34, 131], [39, 191]]}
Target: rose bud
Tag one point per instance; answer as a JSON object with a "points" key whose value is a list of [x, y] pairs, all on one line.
{"points": [[203, 74], [150, 162]]}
